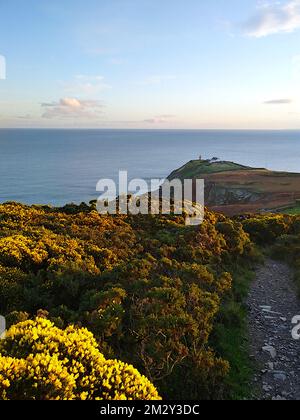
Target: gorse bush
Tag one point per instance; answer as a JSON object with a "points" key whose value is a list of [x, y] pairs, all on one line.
{"points": [[287, 248], [41, 362], [148, 287], [265, 229], [280, 231]]}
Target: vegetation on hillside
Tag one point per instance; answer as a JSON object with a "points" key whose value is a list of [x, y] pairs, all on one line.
{"points": [[295, 210], [161, 296], [149, 288]]}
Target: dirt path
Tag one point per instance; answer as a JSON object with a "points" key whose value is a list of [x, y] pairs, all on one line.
{"points": [[272, 305]]}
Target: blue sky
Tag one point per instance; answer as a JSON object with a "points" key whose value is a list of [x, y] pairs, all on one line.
{"points": [[150, 63]]}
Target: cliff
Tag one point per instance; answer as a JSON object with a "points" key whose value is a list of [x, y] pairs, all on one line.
{"points": [[234, 189]]}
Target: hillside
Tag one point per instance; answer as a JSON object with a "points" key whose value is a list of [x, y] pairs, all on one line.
{"points": [[233, 189], [152, 291]]}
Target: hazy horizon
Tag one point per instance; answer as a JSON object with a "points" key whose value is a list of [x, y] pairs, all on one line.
{"points": [[259, 130]]}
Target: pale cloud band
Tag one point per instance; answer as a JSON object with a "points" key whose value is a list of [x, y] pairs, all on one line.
{"points": [[86, 85], [160, 119], [278, 102], [156, 80]]}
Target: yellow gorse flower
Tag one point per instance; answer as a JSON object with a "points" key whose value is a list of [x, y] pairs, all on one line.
{"points": [[41, 362]]}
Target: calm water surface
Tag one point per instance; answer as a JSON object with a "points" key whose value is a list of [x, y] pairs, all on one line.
{"points": [[62, 166]]}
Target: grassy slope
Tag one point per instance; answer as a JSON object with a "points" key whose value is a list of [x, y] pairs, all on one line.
{"points": [[293, 211], [230, 336], [196, 168]]}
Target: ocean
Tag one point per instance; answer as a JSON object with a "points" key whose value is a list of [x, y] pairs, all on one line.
{"points": [[63, 166]]}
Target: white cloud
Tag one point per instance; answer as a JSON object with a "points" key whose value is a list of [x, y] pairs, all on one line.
{"points": [[70, 103], [274, 18], [86, 85], [72, 108]]}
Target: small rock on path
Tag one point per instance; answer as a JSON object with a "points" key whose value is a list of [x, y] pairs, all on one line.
{"points": [[272, 305]]}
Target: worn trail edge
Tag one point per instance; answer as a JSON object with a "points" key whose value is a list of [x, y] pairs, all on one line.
{"points": [[272, 305]]}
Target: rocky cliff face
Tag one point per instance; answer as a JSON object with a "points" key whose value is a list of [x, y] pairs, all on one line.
{"points": [[217, 195]]}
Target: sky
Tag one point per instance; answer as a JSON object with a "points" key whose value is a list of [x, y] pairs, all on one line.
{"points": [[151, 64]]}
